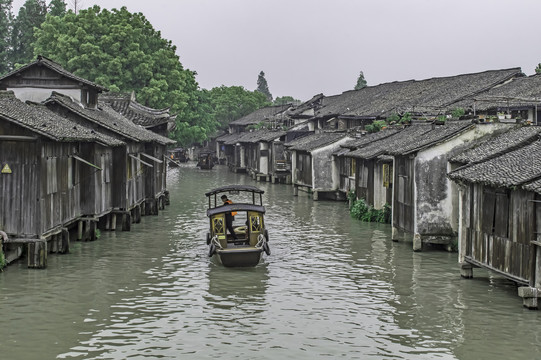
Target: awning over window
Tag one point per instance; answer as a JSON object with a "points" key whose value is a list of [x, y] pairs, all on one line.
{"points": [[86, 162], [152, 158], [139, 160]]}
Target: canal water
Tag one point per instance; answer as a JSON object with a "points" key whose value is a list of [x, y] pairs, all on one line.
{"points": [[333, 287]]}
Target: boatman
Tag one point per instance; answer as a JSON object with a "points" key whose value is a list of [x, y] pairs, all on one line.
{"points": [[229, 217]]}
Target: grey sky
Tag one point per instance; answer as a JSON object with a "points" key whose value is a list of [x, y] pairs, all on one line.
{"points": [[306, 47]]}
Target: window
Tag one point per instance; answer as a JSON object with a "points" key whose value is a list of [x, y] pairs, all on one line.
{"points": [[495, 212], [387, 175]]}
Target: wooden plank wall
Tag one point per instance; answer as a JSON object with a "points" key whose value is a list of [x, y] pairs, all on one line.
{"points": [[59, 200], [19, 192], [403, 207], [499, 229]]}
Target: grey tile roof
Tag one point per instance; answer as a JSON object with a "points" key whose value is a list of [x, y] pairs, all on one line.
{"points": [[261, 135], [492, 146], [369, 138], [108, 118], [139, 114], [43, 61], [428, 95], [260, 115], [41, 120], [312, 142], [409, 135], [521, 91], [512, 169], [313, 104], [251, 137], [534, 186], [226, 137], [436, 135]]}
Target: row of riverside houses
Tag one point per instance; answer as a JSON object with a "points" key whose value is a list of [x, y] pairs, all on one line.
{"points": [[471, 184], [74, 161]]}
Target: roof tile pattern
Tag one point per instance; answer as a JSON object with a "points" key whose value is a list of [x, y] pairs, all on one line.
{"points": [[512, 169], [41, 120], [499, 144], [312, 142], [428, 95], [521, 91], [108, 118], [435, 135], [409, 135], [139, 114], [260, 115]]}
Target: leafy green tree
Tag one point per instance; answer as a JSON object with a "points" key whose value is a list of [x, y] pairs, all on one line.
{"points": [[5, 28], [31, 15], [57, 8], [262, 86], [538, 69], [283, 100], [232, 103], [361, 82], [123, 52]]}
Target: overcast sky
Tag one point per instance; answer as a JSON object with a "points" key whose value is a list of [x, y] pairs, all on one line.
{"points": [[306, 47]]}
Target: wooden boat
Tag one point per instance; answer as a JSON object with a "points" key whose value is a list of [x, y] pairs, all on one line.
{"points": [[251, 237], [206, 160]]}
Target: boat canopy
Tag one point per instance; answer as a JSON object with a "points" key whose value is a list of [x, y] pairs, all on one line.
{"points": [[229, 188], [235, 207], [235, 189]]}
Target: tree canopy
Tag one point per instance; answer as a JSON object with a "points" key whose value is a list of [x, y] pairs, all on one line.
{"points": [[231, 103], [283, 100], [123, 52], [57, 8], [262, 86], [5, 26], [31, 15], [361, 82]]}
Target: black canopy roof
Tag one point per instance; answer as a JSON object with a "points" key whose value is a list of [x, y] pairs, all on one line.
{"points": [[228, 188]]}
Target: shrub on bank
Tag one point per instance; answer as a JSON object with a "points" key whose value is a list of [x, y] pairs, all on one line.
{"points": [[364, 212]]}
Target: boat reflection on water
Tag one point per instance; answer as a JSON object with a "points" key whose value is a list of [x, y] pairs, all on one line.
{"points": [[237, 287]]}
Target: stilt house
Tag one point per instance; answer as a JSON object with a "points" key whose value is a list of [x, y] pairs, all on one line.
{"points": [[423, 197], [140, 185], [49, 165], [499, 215], [312, 164]]}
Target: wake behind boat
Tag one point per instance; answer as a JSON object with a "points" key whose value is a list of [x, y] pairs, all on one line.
{"points": [[237, 245]]}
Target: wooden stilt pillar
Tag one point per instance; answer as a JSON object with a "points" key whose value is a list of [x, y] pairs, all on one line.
{"points": [[80, 230], [166, 198], [92, 226], [126, 221], [53, 244], [161, 202], [108, 222], [37, 254], [530, 296], [466, 270], [137, 213], [113, 222], [295, 190], [65, 248], [417, 242], [395, 234]]}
